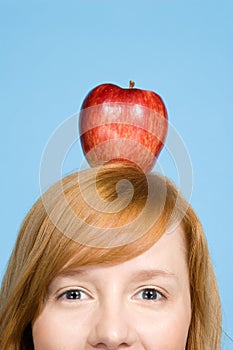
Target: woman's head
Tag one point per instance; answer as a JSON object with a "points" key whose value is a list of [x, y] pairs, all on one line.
{"points": [[111, 220]]}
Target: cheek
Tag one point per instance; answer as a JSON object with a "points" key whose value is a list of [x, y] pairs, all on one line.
{"points": [[167, 329], [54, 330]]}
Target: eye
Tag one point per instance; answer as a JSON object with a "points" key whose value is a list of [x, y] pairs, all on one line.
{"points": [[150, 294], [74, 294]]}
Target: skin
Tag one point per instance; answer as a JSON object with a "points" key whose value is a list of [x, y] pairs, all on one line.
{"points": [[141, 304]]}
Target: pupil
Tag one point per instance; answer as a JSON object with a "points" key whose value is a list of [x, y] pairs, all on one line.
{"points": [[74, 294], [149, 294]]}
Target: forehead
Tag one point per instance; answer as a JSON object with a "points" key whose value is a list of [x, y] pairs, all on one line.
{"points": [[167, 255], [170, 250]]}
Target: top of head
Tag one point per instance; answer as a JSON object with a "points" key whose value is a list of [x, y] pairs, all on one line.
{"points": [[112, 205]]}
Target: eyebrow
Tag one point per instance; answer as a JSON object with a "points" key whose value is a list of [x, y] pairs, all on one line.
{"points": [[150, 274], [73, 273], [141, 275]]}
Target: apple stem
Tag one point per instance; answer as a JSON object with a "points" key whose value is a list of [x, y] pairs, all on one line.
{"points": [[131, 84]]}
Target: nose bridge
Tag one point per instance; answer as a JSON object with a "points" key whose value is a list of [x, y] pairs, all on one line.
{"points": [[112, 326]]}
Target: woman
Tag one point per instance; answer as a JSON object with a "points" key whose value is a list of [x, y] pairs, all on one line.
{"points": [[110, 258]]}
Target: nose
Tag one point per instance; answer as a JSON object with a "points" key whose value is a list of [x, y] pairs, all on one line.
{"points": [[112, 328]]}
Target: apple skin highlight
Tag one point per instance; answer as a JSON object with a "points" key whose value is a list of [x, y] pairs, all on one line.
{"points": [[122, 125]]}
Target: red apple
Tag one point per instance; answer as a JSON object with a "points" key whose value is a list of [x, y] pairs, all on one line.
{"points": [[128, 125]]}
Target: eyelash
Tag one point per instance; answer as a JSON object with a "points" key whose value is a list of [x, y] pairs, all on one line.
{"points": [[79, 291], [153, 292]]}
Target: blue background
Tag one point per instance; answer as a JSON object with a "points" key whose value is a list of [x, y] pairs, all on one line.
{"points": [[54, 52]]}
